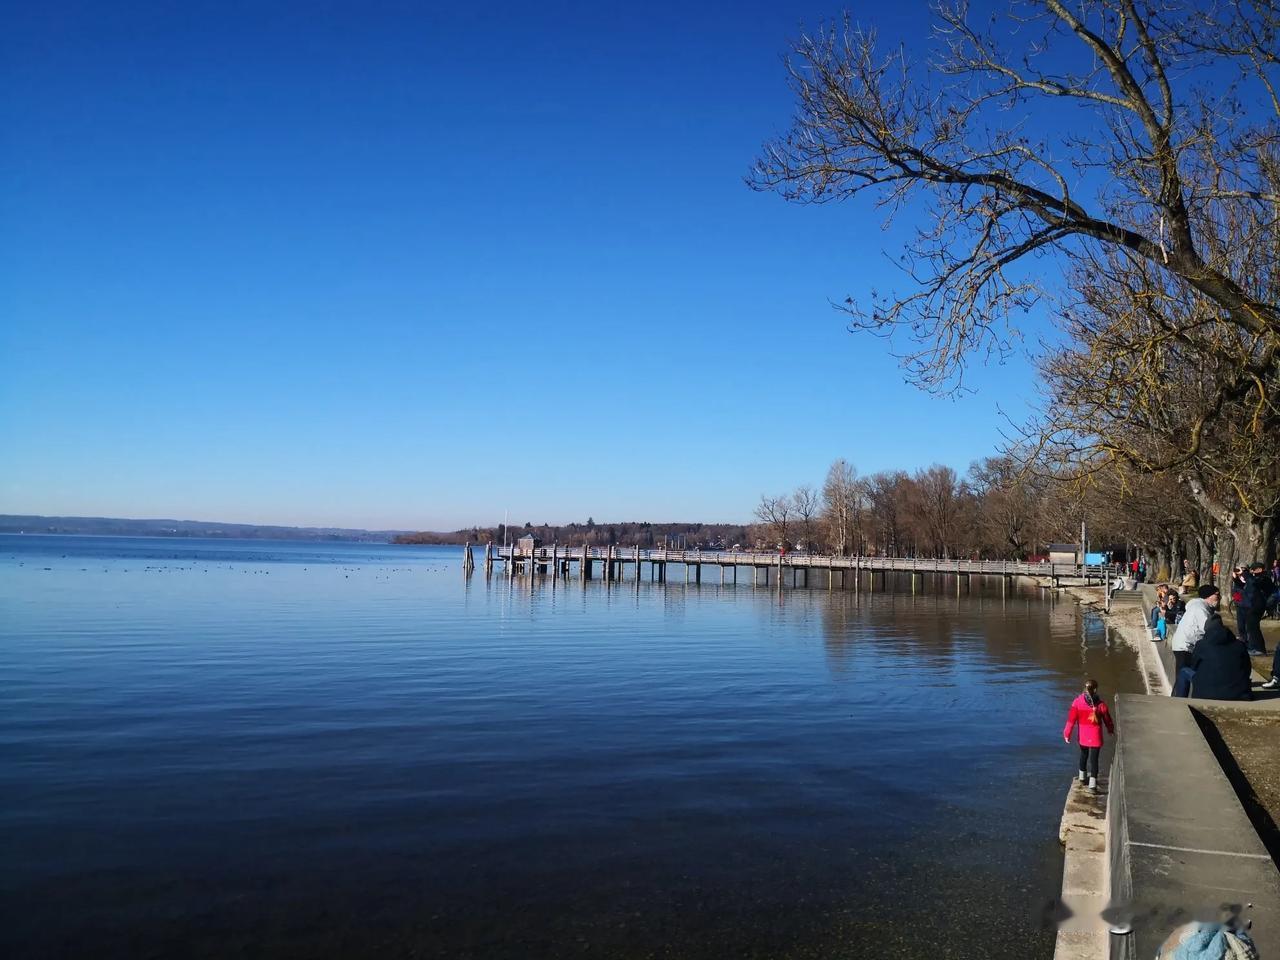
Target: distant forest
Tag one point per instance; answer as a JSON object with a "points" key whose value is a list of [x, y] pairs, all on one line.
{"points": [[708, 536]]}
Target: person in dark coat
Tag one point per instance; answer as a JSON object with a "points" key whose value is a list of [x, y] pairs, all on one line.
{"points": [[1221, 664], [1257, 593]]}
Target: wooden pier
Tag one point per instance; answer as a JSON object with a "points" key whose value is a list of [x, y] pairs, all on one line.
{"points": [[617, 564]]}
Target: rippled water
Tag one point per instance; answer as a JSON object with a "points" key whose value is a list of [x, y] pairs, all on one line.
{"points": [[264, 749]]}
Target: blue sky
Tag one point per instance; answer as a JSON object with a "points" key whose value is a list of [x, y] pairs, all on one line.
{"points": [[398, 265]]}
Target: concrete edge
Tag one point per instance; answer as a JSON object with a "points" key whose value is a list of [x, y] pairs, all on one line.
{"points": [[1085, 880]]}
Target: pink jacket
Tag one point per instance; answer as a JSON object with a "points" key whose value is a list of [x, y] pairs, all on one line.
{"points": [[1087, 717]]}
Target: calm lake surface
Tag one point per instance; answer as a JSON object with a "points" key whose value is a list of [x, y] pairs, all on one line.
{"points": [[268, 749]]}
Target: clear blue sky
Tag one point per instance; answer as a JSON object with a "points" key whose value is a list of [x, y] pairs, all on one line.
{"points": [[386, 266]]}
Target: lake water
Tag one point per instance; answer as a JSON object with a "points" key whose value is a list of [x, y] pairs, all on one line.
{"points": [[268, 749]]}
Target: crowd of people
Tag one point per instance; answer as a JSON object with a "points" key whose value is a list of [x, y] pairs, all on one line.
{"points": [[1210, 661]]}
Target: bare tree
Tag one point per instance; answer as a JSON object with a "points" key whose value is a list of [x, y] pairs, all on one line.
{"points": [[806, 505], [1153, 208], [937, 497], [867, 122], [1007, 505], [842, 506], [776, 514], [887, 494]]}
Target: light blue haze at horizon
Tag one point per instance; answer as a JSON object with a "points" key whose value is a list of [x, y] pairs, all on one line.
{"points": [[398, 265]]}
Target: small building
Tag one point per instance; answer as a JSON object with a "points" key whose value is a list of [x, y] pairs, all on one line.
{"points": [[1062, 552], [528, 543]]}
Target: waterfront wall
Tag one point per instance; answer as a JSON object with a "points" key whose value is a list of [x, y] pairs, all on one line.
{"points": [[1164, 648]]}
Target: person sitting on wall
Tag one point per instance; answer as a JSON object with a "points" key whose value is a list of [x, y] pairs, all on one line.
{"points": [[1167, 609], [1190, 579], [1157, 608], [1191, 627], [1221, 664]]}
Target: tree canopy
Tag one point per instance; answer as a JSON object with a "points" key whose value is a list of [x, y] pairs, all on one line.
{"points": [[1143, 220]]}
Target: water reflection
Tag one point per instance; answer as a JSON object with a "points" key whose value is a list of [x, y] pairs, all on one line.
{"points": [[363, 757]]}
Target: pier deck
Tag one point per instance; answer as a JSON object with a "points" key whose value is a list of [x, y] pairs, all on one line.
{"points": [[622, 563]]}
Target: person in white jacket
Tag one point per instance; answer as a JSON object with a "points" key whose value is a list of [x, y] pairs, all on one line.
{"points": [[1191, 627]]}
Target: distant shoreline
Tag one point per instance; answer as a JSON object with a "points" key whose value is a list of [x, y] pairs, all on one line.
{"points": [[191, 536], [27, 525]]}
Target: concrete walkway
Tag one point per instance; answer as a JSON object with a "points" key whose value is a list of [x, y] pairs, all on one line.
{"points": [[1172, 842], [1180, 846]]}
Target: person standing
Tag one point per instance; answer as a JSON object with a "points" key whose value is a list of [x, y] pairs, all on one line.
{"points": [[1191, 627], [1257, 593], [1239, 576], [1090, 714]]}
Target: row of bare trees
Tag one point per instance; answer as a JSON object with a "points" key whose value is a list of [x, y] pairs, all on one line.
{"points": [[994, 511], [1115, 166]]}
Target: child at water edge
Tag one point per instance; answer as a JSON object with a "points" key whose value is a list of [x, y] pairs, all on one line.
{"points": [[1089, 712]]}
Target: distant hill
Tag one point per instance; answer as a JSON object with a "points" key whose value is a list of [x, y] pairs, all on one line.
{"points": [[117, 527], [627, 533]]}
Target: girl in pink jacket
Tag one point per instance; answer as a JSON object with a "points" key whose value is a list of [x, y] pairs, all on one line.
{"points": [[1089, 712]]}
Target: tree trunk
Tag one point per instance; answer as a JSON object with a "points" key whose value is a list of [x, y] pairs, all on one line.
{"points": [[1254, 539], [1204, 557], [1248, 537], [1159, 571]]}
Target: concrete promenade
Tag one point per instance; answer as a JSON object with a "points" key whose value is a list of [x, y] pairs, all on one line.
{"points": [[1171, 839], [1180, 846]]}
